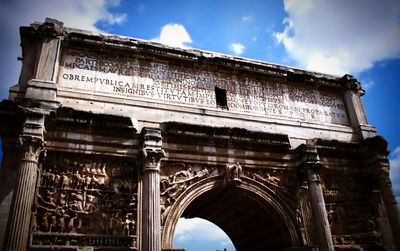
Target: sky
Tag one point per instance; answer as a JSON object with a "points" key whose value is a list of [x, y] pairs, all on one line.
{"points": [[358, 37]]}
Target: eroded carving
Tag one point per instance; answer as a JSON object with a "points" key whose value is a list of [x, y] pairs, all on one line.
{"points": [[32, 148], [267, 178], [151, 158], [176, 182], [272, 178], [85, 196], [233, 172], [178, 84]]}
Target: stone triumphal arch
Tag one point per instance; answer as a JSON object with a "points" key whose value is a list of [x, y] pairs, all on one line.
{"points": [[108, 141]]}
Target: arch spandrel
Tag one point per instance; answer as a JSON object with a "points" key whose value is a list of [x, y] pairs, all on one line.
{"points": [[261, 194]]}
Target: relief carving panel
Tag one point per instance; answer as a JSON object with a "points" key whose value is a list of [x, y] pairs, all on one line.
{"points": [[85, 201], [353, 219], [176, 178], [277, 180]]}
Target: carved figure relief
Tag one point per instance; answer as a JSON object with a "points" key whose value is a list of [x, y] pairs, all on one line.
{"points": [[233, 172], [345, 188], [85, 196], [266, 177], [176, 180]]}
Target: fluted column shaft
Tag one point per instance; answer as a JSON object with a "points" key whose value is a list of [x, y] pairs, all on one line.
{"points": [[150, 218], [310, 166], [17, 234], [307, 217], [31, 146], [319, 211]]}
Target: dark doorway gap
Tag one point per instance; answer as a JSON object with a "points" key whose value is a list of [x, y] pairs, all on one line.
{"points": [[221, 99]]}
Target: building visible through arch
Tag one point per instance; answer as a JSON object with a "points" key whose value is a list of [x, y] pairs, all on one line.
{"points": [[108, 141]]}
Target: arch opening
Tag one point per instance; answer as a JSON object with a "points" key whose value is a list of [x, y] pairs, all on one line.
{"points": [[247, 213], [197, 234]]}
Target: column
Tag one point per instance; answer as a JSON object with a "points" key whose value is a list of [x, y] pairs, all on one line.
{"points": [[10, 131], [311, 166], [150, 217], [307, 217], [31, 145], [379, 165]]}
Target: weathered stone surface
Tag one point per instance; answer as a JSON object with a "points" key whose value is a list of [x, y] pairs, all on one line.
{"points": [[235, 141], [130, 78]]}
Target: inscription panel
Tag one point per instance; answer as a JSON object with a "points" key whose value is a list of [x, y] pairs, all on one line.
{"points": [[138, 79]]}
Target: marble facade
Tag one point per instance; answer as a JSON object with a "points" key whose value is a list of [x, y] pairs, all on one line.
{"points": [[108, 141]]}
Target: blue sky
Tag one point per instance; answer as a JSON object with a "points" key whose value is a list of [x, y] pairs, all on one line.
{"points": [[360, 37]]}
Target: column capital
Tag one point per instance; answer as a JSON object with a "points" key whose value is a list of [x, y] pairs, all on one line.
{"points": [[375, 151], [151, 158], [31, 147], [151, 152], [375, 147], [309, 163], [309, 158], [31, 139]]}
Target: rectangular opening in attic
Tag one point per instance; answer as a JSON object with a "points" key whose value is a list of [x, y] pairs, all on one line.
{"points": [[221, 100]]}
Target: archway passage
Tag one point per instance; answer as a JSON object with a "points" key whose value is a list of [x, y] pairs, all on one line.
{"points": [[197, 234], [250, 222]]}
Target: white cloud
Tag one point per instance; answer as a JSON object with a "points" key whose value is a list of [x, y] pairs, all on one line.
{"points": [[237, 48], [247, 18], [74, 13], [199, 229], [174, 35], [340, 36], [367, 83], [395, 172]]}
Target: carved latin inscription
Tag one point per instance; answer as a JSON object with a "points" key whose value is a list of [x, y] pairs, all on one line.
{"points": [[131, 78]]}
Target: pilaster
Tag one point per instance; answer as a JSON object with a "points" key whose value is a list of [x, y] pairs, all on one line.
{"points": [[31, 147], [310, 166], [151, 155], [355, 109], [41, 46]]}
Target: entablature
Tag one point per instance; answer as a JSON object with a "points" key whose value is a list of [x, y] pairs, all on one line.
{"points": [[118, 75]]}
